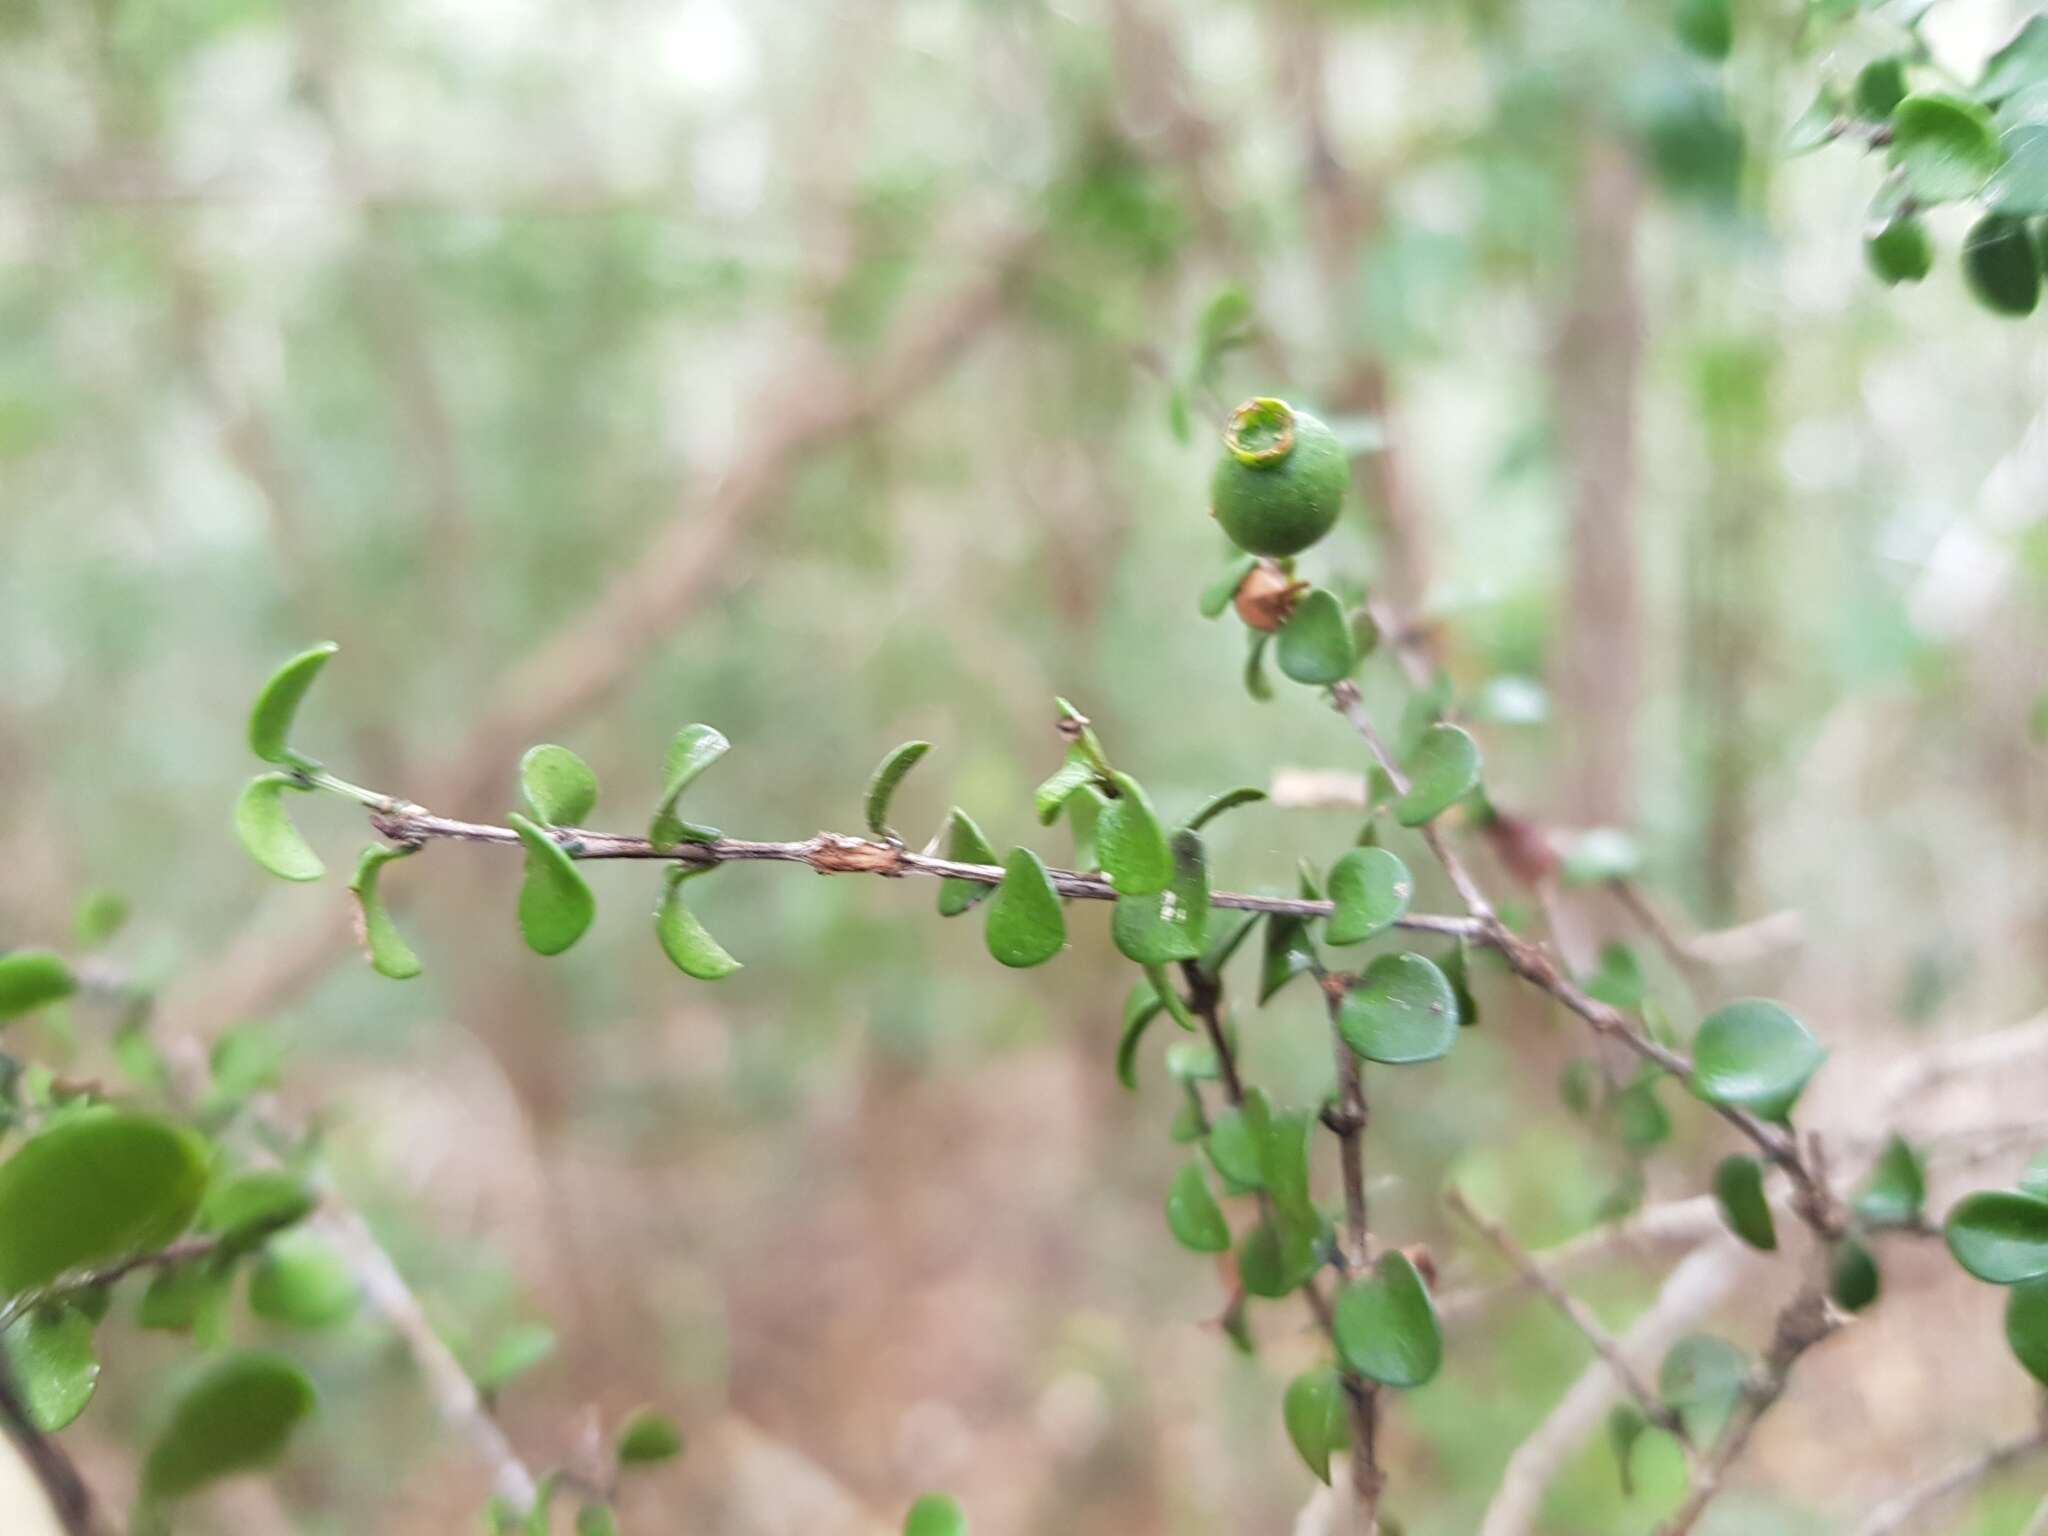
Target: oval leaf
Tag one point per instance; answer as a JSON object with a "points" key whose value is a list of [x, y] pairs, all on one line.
{"points": [[1371, 889], [1944, 146], [1314, 1412], [267, 833], [1273, 1263], [1897, 1187], [1754, 1055], [559, 787], [236, 1416], [648, 1435], [1386, 1326], [1315, 645], [49, 1356], [1217, 595], [1701, 1377], [964, 845], [695, 748], [105, 1185], [277, 706], [1025, 924], [935, 1514], [1402, 1010], [2026, 1327], [555, 903], [1049, 797], [1174, 924], [882, 786], [1236, 1143], [1852, 1276], [252, 1204], [686, 941], [389, 954], [32, 979], [302, 1282], [2000, 1235], [1193, 1214], [1739, 1190], [1442, 770], [1130, 843]]}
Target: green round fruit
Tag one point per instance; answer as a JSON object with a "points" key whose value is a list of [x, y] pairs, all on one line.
{"points": [[1899, 251], [2000, 265], [1281, 480]]}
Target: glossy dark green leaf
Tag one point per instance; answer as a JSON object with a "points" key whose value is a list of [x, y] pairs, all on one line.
{"points": [[935, 1514], [964, 845], [277, 706], [686, 941], [1442, 770], [1076, 770], [1625, 1426], [2018, 64], [1255, 681], [1217, 595], [2001, 265], [1275, 1261], [236, 1416], [32, 979], [556, 906], [1025, 924], [2026, 1327], [518, 1350], [1130, 842], [1371, 889], [1401, 1010], [1896, 1190], [389, 954], [1707, 27], [1315, 645], [695, 748], [302, 1282], [1317, 1423], [99, 916], [560, 789], [50, 1358], [1701, 1378], [1943, 145], [1228, 800], [267, 833], [1386, 1326], [888, 774], [1754, 1055], [251, 1204], [1192, 1213], [1852, 1276], [1173, 924], [2000, 1235], [1739, 1191], [93, 1188], [647, 1436], [1899, 250]]}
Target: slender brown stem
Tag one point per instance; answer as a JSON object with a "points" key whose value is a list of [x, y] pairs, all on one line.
{"points": [[1897, 1512]]}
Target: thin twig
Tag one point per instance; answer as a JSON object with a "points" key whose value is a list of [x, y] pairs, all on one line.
{"points": [[182, 1251], [1901, 1509]]}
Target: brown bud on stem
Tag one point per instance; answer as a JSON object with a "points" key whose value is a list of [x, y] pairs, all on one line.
{"points": [[1265, 598]]}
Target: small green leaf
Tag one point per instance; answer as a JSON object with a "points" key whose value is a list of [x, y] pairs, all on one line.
{"points": [[1754, 1055], [1317, 1424], [2020, 63], [519, 1349], [935, 1514], [1132, 845], [1025, 924], [1283, 1166], [389, 954], [596, 1520], [1217, 595], [1228, 800], [1315, 645], [1274, 1262], [1076, 770], [1707, 27], [187, 1298], [100, 1186], [1193, 1214], [236, 1416], [1171, 925], [1141, 1007], [2001, 266], [50, 1358], [1400, 1011], [1701, 1378], [2000, 1235], [1236, 1143], [687, 942], [695, 748], [1255, 682], [1880, 86], [267, 833], [888, 774], [1640, 1116], [277, 706], [256, 1203], [1943, 145], [302, 1282], [2026, 1327], [1386, 1326], [1442, 770], [1899, 250], [1739, 1190], [558, 785], [32, 979], [648, 1435], [1625, 1426], [1288, 952], [99, 916], [964, 845], [555, 904], [1897, 1187], [1371, 889], [1852, 1276]]}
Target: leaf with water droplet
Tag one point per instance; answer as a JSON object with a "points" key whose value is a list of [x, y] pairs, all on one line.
{"points": [[556, 906], [277, 707], [686, 941], [1371, 889], [389, 954], [695, 748], [964, 845], [888, 774], [1025, 924], [559, 787], [1315, 645], [32, 979], [267, 833], [1442, 770], [1171, 925], [1400, 1011]]}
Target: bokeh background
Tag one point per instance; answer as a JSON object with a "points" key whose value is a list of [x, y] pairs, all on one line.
{"points": [[809, 369]]}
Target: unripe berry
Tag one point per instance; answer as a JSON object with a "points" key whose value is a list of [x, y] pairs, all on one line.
{"points": [[1281, 480]]}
